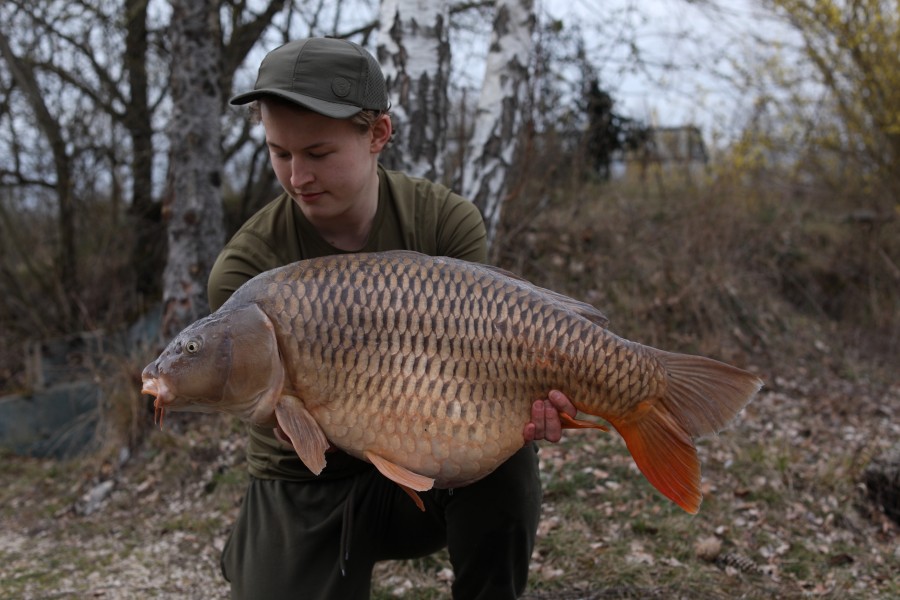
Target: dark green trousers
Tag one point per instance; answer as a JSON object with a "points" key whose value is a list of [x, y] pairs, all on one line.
{"points": [[320, 539]]}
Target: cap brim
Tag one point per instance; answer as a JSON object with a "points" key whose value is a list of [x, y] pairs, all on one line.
{"points": [[334, 110]]}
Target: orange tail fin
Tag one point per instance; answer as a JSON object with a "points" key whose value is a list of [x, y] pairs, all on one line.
{"points": [[702, 396]]}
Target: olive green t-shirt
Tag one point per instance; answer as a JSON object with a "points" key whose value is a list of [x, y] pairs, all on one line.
{"points": [[413, 214]]}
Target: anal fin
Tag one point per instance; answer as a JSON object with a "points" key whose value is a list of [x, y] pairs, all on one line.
{"points": [[573, 423], [304, 432], [410, 482]]}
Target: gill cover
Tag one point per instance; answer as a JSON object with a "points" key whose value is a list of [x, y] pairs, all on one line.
{"points": [[256, 378]]}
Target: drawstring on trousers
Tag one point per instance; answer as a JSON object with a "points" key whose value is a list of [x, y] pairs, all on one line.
{"points": [[347, 529]]}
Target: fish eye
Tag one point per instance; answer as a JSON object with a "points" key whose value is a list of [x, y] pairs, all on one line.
{"points": [[192, 346]]}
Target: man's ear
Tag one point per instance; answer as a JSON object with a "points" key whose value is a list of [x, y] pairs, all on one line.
{"points": [[381, 133]]}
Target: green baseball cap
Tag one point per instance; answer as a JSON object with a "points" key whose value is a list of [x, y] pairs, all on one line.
{"points": [[333, 77]]}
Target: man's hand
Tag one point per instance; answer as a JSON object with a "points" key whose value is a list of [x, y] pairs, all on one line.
{"points": [[545, 423]]}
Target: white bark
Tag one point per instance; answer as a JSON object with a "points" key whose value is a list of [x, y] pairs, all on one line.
{"points": [[498, 114], [414, 52], [194, 206]]}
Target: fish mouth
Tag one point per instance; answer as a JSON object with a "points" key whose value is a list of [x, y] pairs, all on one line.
{"points": [[155, 387], [150, 387]]}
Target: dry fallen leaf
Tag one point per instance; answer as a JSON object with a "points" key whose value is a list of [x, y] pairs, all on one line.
{"points": [[708, 548]]}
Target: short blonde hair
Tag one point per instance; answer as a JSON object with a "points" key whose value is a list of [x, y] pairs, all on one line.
{"points": [[364, 119]]}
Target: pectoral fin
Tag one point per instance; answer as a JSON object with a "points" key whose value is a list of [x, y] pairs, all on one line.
{"points": [[306, 436], [410, 482]]}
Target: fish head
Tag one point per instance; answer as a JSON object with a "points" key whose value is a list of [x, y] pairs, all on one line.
{"points": [[226, 362]]}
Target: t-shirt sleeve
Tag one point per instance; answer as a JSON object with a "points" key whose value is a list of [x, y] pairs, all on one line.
{"points": [[460, 230], [242, 259]]}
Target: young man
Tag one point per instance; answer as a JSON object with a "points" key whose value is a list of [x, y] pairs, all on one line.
{"points": [[323, 105]]}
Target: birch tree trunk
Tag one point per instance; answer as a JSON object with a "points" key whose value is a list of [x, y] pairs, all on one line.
{"points": [[498, 115], [194, 206], [414, 52]]}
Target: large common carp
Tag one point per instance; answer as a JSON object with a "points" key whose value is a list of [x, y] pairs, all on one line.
{"points": [[428, 367]]}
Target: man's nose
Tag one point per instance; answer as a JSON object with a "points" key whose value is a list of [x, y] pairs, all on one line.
{"points": [[301, 174]]}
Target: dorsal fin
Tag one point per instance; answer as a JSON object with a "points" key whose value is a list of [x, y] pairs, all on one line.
{"points": [[588, 311], [583, 309]]}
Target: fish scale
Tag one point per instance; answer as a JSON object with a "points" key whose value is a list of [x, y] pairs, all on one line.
{"points": [[428, 367]]}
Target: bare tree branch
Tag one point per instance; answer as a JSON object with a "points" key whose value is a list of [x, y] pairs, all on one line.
{"points": [[23, 73]]}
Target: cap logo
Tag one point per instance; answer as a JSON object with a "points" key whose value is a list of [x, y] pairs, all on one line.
{"points": [[340, 86]]}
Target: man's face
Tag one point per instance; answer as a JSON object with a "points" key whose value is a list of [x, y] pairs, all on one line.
{"points": [[326, 165]]}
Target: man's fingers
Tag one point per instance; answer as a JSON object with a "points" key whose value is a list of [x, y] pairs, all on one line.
{"points": [[534, 429], [562, 403], [552, 426], [537, 417], [545, 422], [528, 432]]}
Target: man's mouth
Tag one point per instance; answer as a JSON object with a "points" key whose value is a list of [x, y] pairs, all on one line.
{"points": [[310, 196]]}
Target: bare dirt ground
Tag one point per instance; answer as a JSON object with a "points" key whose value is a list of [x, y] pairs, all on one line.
{"points": [[785, 514]]}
